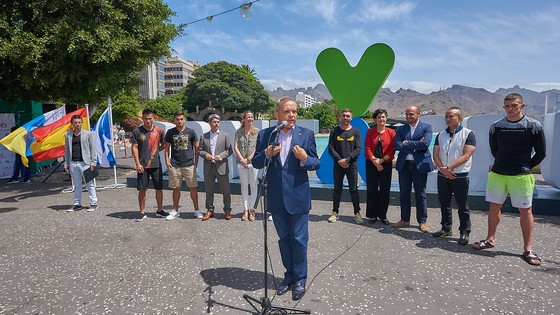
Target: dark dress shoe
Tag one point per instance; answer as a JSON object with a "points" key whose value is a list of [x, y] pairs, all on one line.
{"points": [[299, 291], [283, 288], [385, 222], [463, 239], [372, 220]]}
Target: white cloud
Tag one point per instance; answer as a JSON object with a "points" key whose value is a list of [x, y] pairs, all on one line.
{"points": [[288, 84], [376, 11], [418, 86], [326, 9], [544, 86]]}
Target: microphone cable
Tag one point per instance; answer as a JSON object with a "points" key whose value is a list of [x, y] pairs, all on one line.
{"points": [[364, 229]]}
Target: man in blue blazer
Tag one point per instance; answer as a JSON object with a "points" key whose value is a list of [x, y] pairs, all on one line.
{"points": [[413, 164], [289, 195]]}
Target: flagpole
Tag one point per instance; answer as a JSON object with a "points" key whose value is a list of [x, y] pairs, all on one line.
{"points": [[110, 108]]}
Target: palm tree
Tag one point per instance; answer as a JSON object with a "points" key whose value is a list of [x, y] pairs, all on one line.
{"points": [[249, 69]]}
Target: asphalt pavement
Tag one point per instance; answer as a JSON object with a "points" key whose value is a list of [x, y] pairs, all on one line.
{"points": [[103, 262]]}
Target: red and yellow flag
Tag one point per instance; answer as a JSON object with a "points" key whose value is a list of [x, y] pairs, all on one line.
{"points": [[49, 143]]}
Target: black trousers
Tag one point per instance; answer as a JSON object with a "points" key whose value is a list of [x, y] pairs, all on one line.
{"points": [[378, 190], [460, 188], [351, 174]]}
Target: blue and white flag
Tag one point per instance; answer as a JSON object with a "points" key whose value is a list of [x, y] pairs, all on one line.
{"points": [[102, 130]]}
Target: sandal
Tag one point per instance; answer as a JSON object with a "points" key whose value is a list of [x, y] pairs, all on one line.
{"points": [[244, 217], [252, 215], [531, 258], [483, 244]]}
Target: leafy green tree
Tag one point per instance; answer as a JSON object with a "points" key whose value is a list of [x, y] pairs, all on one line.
{"points": [[222, 84], [124, 106], [79, 50], [325, 113], [166, 106]]}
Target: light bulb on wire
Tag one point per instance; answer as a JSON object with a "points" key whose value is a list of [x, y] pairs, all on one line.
{"points": [[244, 10]]}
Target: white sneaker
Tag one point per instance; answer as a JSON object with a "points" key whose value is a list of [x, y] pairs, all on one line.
{"points": [[172, 215], [333, 217], [198, 214], [270, 217]]}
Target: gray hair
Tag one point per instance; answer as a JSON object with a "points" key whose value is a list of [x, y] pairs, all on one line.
{"points": [[213, 116], [283, 100]]}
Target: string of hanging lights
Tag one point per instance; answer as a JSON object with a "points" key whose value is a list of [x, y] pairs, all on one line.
{"points": [[244, 10]]}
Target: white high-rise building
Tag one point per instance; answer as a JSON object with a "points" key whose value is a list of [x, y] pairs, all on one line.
{"points": [[177, 74], [305, 100], [152, 77]]}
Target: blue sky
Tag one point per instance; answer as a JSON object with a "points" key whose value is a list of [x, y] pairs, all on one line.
{"points": [[478, 43]]}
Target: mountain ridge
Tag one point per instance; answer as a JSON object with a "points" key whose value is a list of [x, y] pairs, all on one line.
{"points": [[473, 101]]}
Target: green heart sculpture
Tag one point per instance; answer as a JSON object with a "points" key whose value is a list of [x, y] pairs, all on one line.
{"points": [[356, 87]]}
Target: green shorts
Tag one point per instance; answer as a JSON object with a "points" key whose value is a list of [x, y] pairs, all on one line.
{"points": [[519, 187]]}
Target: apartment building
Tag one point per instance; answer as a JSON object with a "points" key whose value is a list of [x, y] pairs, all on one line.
{"points": [[177, 74], [153, 80], [305, 100]]}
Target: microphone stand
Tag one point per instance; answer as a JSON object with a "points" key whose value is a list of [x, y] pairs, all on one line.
{"points": [[266, 305]]}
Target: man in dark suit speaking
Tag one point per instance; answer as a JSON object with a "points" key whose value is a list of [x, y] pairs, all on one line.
{"points": [[289, 195]]}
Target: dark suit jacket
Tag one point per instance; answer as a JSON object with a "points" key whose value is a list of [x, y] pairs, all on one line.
{"points": [[223, 149], [288, 184], [417, 144]]}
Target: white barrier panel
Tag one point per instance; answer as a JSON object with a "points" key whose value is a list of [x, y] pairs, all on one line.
{"points": [[261, 124], [549, 166], [7, 157], [436, 121], [438, 124], [482, 158], [165, 126], [200, 128]]}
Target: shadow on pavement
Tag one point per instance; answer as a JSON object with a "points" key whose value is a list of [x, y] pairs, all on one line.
{"points": [[30, 193], [10, 209], [129, 215], [61, 207], [237, 278], [426, 240], [210, 302]]}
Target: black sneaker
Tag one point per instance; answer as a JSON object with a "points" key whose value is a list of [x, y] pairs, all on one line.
{"points": [[463, 239], [442, 233], [141, 217], [162, 214], [13, 181], [75, 208], [92, 208]]}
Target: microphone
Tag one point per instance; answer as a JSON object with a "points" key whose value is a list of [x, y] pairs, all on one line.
{"points": [[281, 126]]}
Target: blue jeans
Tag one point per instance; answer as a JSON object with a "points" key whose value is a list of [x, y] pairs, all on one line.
{"points": [[293, 232], [20, 168], [76, 173], [407, 177]]}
